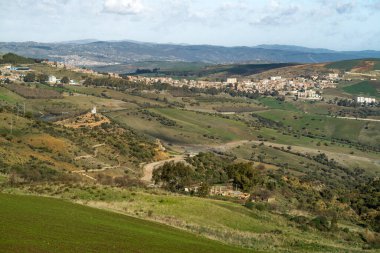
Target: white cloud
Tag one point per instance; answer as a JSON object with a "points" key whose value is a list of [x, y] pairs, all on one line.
{"points": [[123, 7], [276, 14]]}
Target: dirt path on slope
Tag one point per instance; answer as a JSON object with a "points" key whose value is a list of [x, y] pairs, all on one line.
{"points": [[149, 167]]}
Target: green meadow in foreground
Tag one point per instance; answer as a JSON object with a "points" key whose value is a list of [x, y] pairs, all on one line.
{"points": [[38, 224]]}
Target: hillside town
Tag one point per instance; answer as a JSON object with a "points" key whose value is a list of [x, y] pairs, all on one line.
{"points": [[303, 88]]}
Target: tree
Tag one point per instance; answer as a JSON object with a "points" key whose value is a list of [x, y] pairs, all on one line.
{"points": [[173, 176], [65, 80], [30, 77], [244, 175], [15, 59], [203, 190], [42, 78]]}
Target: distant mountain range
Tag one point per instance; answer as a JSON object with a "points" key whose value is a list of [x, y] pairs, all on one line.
{"points": [[92, 52]]}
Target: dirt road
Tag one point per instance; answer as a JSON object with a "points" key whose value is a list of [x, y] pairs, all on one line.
{"points": [[148, 168], [363, 119]]}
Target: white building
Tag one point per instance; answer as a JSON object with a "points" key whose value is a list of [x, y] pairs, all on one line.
{"points": [[52, 79], [366, 100], [93, 111], [308, 94], [73, 82], [231, 80], [333, 76], [275, 78]]}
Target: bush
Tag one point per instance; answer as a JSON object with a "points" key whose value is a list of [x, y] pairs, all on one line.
{"points": [[320, 222], [249, 204], [260, 206], [301, 220]]}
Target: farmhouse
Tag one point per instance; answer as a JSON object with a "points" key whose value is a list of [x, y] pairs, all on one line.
{"points": [[366, 100], [52, 80], [275, 78], [231, 80], [308, 94], [228, 191]]}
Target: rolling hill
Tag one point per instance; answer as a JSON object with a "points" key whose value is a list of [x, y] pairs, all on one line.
{"points": [[357, 65], [119, 52]]}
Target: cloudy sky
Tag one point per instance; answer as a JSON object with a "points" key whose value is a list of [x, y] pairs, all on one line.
{"points": [[333, 24]]}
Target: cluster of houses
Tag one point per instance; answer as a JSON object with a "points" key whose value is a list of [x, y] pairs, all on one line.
{"points": [[17, 73], [300, 87], [13, 73]]}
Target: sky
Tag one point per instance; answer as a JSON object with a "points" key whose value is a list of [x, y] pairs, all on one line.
{"points": [[332, 24]]}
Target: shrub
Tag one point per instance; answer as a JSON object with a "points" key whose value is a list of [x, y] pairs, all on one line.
{"points": [[320, 222]]}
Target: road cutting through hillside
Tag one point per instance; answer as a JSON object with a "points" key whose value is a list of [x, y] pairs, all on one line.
{"points": [[149, 167]]}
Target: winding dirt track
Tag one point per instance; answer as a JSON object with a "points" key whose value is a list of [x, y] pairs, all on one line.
{"points": [[148, 168]]}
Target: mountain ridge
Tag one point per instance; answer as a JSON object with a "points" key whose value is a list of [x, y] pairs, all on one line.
{"points": [[97, 52]]}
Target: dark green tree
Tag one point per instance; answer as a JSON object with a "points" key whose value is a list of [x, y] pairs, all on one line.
{"points": [[204, 189], [173, 176], [30, 77], [65, 80], [244, 176], [42, 78]]}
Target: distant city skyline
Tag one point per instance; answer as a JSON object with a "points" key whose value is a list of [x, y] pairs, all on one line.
{"points": [[335, 24]]}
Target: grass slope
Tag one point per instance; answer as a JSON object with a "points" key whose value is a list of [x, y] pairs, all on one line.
{"points": [[368, 64], [225, 221], [323, 125], [191, 128], [367, 88], [35, 224]]}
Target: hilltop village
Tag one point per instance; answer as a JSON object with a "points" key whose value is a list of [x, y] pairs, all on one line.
{"points": [[299, 86]]}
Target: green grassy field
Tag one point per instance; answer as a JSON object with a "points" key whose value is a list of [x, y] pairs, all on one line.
{"points": [[117, 95], [9, 96], [366, 88], [324, 125], [191, 127], [343, 65], [275, 104], [36, 224]]}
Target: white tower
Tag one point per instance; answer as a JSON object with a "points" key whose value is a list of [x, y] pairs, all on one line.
{"points": [[93, 111]]}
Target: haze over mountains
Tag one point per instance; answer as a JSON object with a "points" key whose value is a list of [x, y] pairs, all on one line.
{"points": [[92, 52]]}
